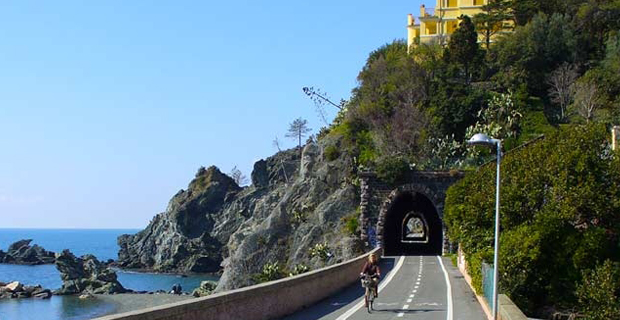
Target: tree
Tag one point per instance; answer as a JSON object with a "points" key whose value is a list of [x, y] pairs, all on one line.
{"points": [[321, 99], [276, 143], [238, 176], [463, 48], [298, 129], [586, 99], [525, 57], [560, 82], [491, 20], [557, 220]]}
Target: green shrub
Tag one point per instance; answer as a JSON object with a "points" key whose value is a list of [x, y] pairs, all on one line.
{"points": [[393, 170], [351, 223], [299, 269], [320, 250], [599, 293], [557, 216], [299, 217], [331, 153], [271, 271]]}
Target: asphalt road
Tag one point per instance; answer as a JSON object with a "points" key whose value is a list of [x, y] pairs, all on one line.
{"points": [[412, 287]]}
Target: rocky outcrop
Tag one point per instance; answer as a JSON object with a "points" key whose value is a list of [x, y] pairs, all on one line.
{"points": [[16, 289], [188, 237], [206, 288], [294, 205], [21, 252], [85, 274]]}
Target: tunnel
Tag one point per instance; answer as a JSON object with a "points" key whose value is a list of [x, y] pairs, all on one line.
{"points": [[412, 226]]}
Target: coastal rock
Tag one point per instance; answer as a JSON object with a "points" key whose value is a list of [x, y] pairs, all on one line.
{"points": [[17, 290], [85, 274], [43, 294], [206, 288], [188, 237], [296, 203], [14, 286], [20, 252]]}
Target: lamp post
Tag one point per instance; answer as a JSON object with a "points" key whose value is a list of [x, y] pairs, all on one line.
{"points": [[481, 139]]}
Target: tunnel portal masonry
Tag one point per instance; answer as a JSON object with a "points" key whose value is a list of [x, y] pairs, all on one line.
{"points": [[385, 209]]}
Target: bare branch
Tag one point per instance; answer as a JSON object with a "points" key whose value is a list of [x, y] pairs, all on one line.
{"points": [[586, 99], [238, 176], [561, 81]]}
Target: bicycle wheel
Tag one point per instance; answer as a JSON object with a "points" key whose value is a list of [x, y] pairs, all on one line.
{"points": [[368, 298]]}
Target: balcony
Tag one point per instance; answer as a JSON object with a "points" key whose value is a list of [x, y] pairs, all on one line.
{"points": [[427, 12]]}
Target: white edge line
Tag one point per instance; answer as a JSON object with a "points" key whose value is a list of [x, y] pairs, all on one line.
{"points": [[383, 284], [445, 273]]}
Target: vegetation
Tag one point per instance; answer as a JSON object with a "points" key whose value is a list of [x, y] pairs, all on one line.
{"points": [[299, 269], [299, 217], [599, 296], [558, 215], [297, 130], [271, 271], [556, 74], [320, 250], [238, 176], [331, 153], [351, 223]]}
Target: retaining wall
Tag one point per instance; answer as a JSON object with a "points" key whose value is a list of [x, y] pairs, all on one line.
{"points": [[507, 309], [263, 301]]}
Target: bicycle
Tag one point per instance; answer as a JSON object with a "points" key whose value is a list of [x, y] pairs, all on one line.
{"points": [[370, 290]]}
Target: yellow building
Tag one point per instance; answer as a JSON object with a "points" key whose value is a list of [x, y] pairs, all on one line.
{"points": [[437, 24]]}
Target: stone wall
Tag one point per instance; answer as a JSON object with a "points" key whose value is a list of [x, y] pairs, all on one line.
{"points": [[377, 195], [269, 300]]}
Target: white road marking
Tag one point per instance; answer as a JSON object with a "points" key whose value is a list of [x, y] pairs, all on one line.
{"points": [[416, 287], [383, 284], [410, 296], [405, 307], [400, 315], [414, 291], [450, 315], [409, 300]]}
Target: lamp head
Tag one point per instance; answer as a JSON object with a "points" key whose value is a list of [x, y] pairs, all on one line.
{"points": [[481, 139]]}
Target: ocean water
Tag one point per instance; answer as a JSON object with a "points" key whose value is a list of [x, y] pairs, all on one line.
{"points": [[101, 243]]}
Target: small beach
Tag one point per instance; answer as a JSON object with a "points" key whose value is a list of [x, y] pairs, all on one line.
{"points": [[126, 302]]}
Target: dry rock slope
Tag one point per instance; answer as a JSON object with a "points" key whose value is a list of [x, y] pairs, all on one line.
{"points": [[291, 215]]}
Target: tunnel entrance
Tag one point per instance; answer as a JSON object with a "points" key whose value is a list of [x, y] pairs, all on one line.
{"points": [[412, 226]]}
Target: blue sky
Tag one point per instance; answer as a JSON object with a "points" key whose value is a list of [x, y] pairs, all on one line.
{"points": [[108, 108]]}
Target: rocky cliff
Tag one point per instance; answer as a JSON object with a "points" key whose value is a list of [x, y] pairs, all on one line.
{"points": [[291, 215]]}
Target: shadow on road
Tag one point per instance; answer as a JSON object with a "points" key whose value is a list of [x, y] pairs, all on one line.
{"points": [[341, 299]]}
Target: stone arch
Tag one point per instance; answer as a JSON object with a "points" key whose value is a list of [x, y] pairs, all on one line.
{"points": [[408, 196]]}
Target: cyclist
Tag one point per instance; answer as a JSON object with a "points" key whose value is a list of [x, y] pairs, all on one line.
{"points": [[371, 268]]}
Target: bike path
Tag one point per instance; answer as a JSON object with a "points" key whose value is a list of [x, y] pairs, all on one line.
{"points": [[417, 290]]}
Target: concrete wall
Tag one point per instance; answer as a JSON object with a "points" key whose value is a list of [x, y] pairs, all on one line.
{"points": [[508, 310], [263, 301]]}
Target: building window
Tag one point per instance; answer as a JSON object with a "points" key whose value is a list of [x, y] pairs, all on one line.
{"points": [[431, 28], [478, 2], [452, 3]]}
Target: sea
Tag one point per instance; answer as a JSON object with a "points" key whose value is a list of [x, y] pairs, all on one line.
{"points": [[99, 242]]}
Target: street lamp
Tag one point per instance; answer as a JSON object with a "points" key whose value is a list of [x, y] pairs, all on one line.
{"points": [[481, 139]]}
